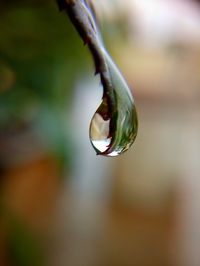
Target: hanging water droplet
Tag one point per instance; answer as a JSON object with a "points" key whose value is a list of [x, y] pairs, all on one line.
{"points": [[114, 125]]}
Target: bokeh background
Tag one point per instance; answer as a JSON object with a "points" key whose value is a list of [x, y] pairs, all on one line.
{"points": [[60, 204]]}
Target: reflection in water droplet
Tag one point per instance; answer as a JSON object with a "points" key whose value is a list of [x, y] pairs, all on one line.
{"points": [[113, 127], [99, 131]]}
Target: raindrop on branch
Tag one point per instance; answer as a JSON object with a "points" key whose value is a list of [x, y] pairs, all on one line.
{"points": [[114, 125]]}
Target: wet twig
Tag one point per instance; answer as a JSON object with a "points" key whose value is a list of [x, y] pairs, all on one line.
{"points": [[82, 18]]}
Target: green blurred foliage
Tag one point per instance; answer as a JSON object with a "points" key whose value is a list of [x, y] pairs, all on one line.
{"points": [[41, 56], [23, 247]]}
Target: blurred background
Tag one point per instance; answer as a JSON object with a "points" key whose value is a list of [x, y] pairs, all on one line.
{"points": [[60, 204]]}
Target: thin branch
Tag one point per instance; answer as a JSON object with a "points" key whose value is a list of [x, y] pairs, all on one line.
{"points": [[82, 18]]}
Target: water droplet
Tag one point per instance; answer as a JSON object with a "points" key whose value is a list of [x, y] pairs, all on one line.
{"points": [[114, 125]]}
